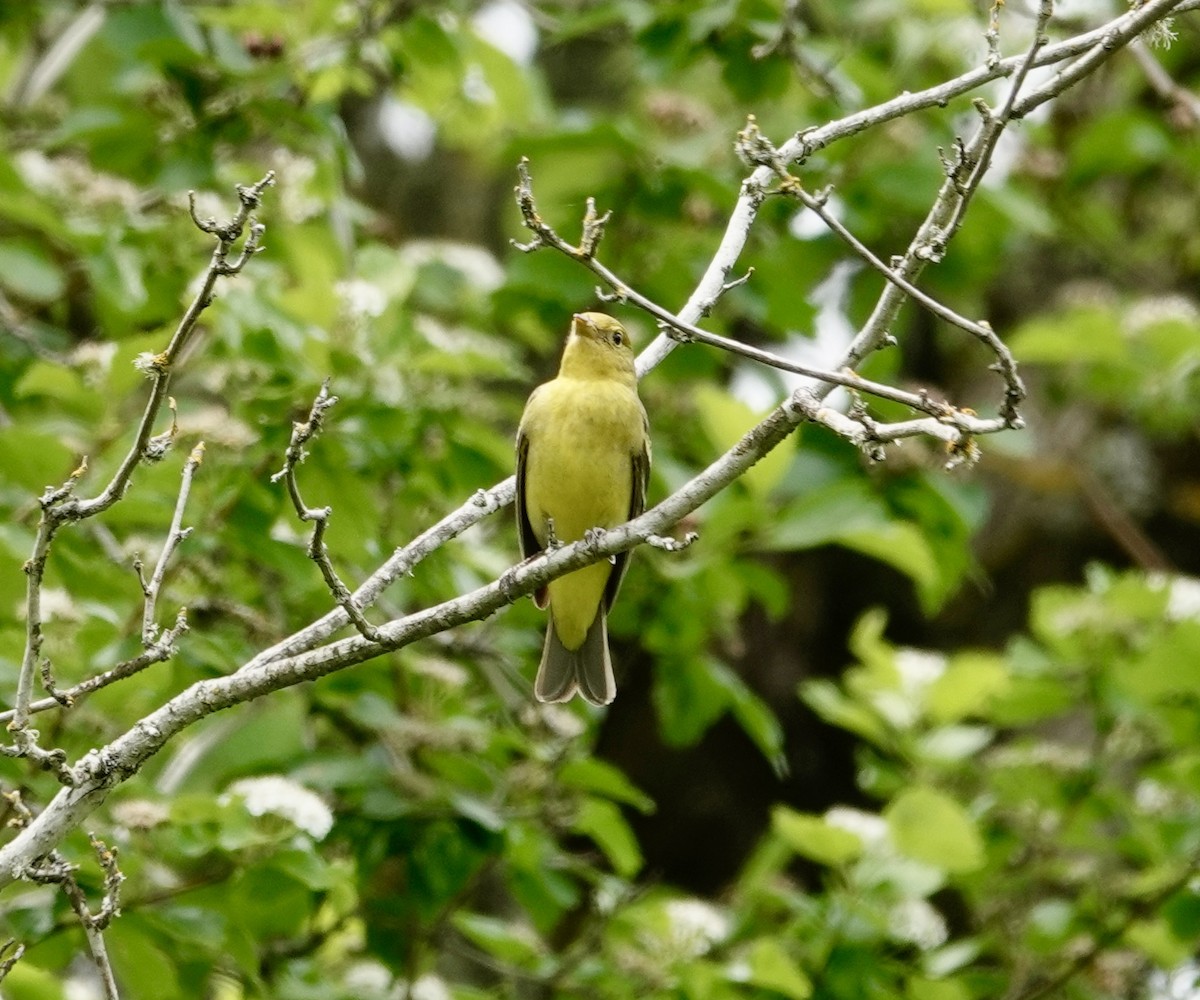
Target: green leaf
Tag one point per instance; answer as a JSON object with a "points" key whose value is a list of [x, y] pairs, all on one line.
{"points": [[725, 420], [969, 684], [905, 548], [1168, 666], [847, 513], [1153, 937], [306, 867], [27, 982], [191, 926], [271, 903], [834, 706], [62, 385], [824, 515], [143, 968], [602, 821], [507, 940], [33, 460], [687, 698], [1080, 335], [590, 774], [752, 713], [266, 740], [27, 272], [772, 968], [812, 837], [922, 988], [929, 826]]}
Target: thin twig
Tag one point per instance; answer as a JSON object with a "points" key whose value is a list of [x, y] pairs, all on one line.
{"points": [[545, 236], [56, 871], [994, 124], [162, 649], [175, 535], [302, 433], [1185, 103], [8, 961], [1120, 33], [61, 506], [754, 145]]}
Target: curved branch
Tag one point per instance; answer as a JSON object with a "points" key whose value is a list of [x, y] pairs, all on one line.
{"points": [[103, 769]]}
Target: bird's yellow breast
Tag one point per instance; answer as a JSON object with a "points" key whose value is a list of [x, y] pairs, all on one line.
{"points": [[583, 436]]}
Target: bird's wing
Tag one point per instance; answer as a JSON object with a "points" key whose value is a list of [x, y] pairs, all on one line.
{"points": [[640, 479], [529, 543], [530, 546]]}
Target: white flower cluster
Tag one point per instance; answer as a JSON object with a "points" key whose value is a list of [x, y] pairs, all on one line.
{"points": [[694, 926], [280, 796], [1183, 599]]}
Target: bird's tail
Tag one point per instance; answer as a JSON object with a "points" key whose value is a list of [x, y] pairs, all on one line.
{"points": [[587, 669]]}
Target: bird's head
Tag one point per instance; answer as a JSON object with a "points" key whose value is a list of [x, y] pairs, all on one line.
{"points": [[598, 347]]}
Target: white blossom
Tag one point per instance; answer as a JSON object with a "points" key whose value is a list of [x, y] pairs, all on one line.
{"points": [[429, 987], [1153, 310], [140, 814], [360, 298], [1179, 983], [406, 130], [918, 922], [58, 603], [475, 87], [1183, 599], [507, 26], [294, 174], [695, 926], [280, 796], [918, 668], [368, 980], [868, 827]]}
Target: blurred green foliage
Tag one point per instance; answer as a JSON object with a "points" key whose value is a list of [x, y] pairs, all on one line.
{"points": [[430, 826]]}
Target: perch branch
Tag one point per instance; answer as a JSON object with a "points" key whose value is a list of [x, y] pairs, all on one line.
{"points": [[707, 291], [105, 768]]}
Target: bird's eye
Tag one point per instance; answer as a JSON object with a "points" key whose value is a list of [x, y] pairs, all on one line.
{"points": [[617, 338]]}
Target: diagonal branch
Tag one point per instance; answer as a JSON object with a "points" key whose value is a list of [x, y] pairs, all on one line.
{"points": [[710, 287], [682, 331], [104, 769], [809, 141], [307, 655]]}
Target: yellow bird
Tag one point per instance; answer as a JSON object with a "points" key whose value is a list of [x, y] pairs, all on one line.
{"points": [[583, 461]]}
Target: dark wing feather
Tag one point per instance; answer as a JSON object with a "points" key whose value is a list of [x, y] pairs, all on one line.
{"points": [[530, 546], [529, 543], [640, 468]]}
